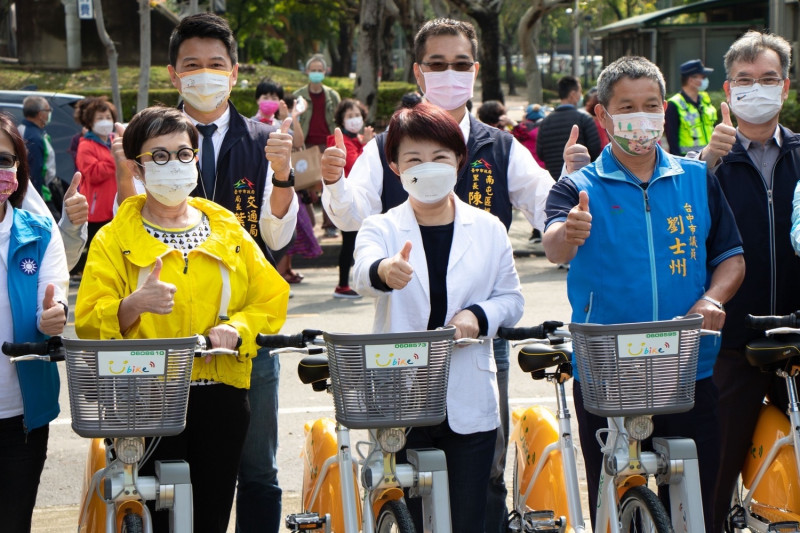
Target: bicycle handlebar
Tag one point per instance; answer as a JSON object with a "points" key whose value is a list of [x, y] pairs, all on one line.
{"points": [[772, 322], [299, 340], [536, 332]]}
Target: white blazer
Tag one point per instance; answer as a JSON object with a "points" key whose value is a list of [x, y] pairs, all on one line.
{"points": [[480, 271]]}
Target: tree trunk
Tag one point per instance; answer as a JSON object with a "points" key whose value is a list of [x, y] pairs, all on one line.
{"points": [[411, 17], [340, 64], [487, 16], [144, 55], [111, 52], [366, 88], [512, 89], [530, 25], [390, 14]]}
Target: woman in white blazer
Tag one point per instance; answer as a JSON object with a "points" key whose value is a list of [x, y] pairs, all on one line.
{"points": [[434, 261]]}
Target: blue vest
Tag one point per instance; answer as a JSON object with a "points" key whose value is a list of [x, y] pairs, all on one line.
{"points": [[482, 183], [646, 256], [38, 380]]}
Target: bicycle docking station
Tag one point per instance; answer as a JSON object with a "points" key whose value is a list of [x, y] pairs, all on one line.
{"points": [[682, 473], [431, 467]]}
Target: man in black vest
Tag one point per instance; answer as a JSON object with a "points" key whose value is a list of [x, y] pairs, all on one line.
{"points": [[500, 173]]}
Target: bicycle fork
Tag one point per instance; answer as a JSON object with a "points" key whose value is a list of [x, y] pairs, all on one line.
{"points": [[674, 462]]}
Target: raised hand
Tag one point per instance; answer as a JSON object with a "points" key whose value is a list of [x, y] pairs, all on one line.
{"points": [[396, 271], [369, 134], [334, 159], [75, 205], [576, 156], [54, 315], [722, 139], [155, 296], [279, 150], [579, 222], [116, 145]]}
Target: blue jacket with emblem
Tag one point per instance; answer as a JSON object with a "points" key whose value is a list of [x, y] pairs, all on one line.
{"points": [[488, 153], [652, 245], [38, 380]]}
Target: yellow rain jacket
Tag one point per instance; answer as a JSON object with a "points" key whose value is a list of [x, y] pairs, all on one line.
{"points": [[226, 280]]}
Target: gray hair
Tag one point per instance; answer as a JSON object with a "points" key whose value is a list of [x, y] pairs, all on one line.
{"points": [[33, 105], [747, 48], [315, 58], [633, 67]]}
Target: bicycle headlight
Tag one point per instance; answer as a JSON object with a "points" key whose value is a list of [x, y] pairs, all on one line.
{"points": [[129, 449], [391, 440], [639, 427]]}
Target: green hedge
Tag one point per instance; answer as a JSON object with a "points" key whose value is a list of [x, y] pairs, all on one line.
{"points": [[389, 95]]}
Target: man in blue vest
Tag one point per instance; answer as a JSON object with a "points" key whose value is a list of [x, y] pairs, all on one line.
{"points": [[500, 173], [690, 117], [658, 241]]}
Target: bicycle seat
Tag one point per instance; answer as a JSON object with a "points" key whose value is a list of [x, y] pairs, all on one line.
{"points": [[534, 357], [772, 353], [312, 368]]}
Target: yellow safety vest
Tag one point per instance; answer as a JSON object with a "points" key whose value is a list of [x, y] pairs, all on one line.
{"points": [[696, 125]]}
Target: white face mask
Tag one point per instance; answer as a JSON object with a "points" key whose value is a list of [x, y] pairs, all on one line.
{"points": [[757, 104], [205, 89], [103, 127], [353, 124], [172, 183], [429, 182], [637, 133], [449, 89], [704, 84]]}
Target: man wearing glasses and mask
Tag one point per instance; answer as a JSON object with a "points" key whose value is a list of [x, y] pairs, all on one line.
{"points": [[500, 174], [757, 165]]}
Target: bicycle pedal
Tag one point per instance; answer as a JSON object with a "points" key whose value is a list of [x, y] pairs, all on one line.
{"points": [[541, 522], [784, 527], [305, 522]]}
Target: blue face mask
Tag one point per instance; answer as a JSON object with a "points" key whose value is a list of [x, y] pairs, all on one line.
{"points": [[704, 84], [316, 77]]}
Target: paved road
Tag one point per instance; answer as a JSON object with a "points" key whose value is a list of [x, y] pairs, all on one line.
{"points": [[312, 305]]}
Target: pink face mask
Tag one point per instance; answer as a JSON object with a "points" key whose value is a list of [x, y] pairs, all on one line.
{"points": [[8, 183], [268, 107]]}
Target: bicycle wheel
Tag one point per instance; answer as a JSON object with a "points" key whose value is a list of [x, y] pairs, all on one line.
{"points": [[641, 511], [395, 518], [132, 523]]}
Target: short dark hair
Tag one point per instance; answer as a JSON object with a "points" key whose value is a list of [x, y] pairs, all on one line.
{"points": [[268, 86], [91, 105], [153, 122], [8, 127], [425, 122], [443, 26], [566, 85], [490, 112], [346, 105], [632, 67], [206, 26]]}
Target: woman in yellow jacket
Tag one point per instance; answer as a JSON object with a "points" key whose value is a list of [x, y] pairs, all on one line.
{"points": [[172, 266]]}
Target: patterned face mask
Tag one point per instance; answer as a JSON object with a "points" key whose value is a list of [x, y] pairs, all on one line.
{"points": [[8, 183], [637, 133]]}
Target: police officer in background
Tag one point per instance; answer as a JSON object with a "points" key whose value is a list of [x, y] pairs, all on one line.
{"points": [[690, 117]]}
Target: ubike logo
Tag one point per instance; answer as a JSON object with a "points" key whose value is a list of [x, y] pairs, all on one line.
{"points": [[244, 183], [412, 354], [644, 344], [131, 363]]}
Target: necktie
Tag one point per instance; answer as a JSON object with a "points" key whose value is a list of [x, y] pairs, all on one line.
{"points": [[209, 161]]}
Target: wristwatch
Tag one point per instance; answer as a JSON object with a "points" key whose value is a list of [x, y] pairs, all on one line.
{"points": [[711, 300], [284, 184]]}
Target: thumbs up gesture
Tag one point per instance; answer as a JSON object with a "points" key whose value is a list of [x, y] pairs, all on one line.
{"points": [[54, 315], [576, 156], [579, 222], [396, 271], [155, 296], [333, 159], [75, 205], [279, 150], [722, 139]]}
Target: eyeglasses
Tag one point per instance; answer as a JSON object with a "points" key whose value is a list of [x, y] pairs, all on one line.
{"points": [[46, 110], [769, 81], [7, 160], [441, 66], [162, 157]]}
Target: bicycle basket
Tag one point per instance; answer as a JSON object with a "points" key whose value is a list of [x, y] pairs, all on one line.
{"points": [[390, 379], [636, 369], [132, 387]]}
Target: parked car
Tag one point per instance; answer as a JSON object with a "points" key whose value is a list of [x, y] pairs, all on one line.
{"points": [[62, 125]]}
